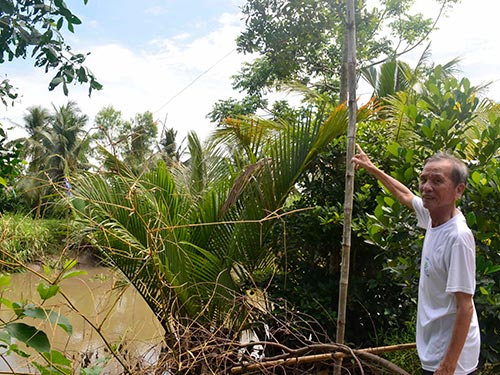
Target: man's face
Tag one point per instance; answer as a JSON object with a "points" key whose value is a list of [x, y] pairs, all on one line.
{"points": [[437, 188]]}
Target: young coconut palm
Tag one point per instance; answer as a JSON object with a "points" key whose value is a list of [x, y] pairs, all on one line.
{"points": [[192, 240]]}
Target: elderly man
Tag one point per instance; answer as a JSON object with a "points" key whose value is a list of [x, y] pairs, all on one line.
{"points": [[448, 337]]}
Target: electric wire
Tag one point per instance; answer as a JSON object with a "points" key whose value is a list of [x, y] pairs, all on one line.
{"points": [[195, 79]]}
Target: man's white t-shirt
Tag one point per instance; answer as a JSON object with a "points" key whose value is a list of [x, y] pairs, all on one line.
{"points": [[448, 265]]}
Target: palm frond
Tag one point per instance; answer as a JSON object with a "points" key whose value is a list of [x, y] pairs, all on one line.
{"points": [[424, 59]]}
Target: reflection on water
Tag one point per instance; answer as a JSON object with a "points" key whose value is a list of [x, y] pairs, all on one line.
{"points": [[119, 312]]}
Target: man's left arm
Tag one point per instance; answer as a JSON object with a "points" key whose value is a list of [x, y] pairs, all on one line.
{"points": [[465, 310]]}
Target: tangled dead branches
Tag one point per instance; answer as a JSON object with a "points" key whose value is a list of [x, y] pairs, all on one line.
{"points": [[274, 347]]}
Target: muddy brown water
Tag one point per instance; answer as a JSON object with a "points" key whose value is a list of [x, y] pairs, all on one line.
{"points": [[119, 312]]}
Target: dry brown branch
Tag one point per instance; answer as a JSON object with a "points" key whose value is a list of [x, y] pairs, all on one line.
{"points": [[242, 181], [195, 349], [340, 351]]}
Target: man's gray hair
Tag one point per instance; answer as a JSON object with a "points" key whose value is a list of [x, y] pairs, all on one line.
{"points": [[459, 171]]}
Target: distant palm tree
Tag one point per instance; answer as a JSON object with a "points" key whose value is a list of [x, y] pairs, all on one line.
{"points": [[66, 142], [36, 120], [168, 146], [55, 149], [56, 144]]}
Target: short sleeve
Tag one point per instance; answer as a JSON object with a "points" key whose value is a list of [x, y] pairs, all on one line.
{"points": [[462, 271], [423, 217]]}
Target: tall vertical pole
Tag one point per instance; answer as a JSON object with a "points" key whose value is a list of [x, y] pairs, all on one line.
{"points": [[350, 50]]}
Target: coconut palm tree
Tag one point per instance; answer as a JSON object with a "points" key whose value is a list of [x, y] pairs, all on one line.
{"points": [[65, 142], [56, 144], [193, 239], [55, 149], [36, 120]]}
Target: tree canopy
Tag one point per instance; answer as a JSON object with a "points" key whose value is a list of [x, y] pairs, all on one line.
{"points": [[32, 28], [304, 42]]}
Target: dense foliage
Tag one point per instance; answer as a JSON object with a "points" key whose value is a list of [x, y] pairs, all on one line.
{"points": [[304, 41], [10, 168], [445, 114], [129, 140], [25, 240], [33, 27]]}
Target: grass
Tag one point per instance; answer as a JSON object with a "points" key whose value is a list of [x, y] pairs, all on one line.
{"points": [[23, 239], [405, 359]]}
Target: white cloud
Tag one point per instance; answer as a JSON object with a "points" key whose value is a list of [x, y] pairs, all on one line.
{"points": [[155, 10], [469, 31], [182, 36], [179, 81]]}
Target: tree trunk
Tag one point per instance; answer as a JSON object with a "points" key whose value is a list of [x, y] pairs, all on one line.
{"points": [[349, 181]]}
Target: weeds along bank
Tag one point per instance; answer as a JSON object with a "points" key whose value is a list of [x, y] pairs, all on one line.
{"points": [[27, 240]]}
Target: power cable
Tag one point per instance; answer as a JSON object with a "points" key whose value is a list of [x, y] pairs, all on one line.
{"points": [[194, 80]]}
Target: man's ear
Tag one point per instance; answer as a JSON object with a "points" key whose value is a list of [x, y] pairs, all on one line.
{"points": [[459, 190]]}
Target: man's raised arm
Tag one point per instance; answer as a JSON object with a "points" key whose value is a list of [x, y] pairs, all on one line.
{"points": [[400, 191]]}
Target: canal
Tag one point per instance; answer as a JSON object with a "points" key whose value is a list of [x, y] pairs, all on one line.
{"points": [[106, 301]]}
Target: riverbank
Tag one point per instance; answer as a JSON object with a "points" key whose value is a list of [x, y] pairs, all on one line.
{"points": [[42, 242]]}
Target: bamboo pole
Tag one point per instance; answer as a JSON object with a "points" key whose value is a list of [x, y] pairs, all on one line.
{"points": [[349, 181]]}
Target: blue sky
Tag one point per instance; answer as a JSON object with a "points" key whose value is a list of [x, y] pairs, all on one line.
{"points": [[175, 58], [136, 23]]}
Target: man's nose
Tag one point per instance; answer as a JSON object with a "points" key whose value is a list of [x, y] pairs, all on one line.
{"points": [[424, 186]]}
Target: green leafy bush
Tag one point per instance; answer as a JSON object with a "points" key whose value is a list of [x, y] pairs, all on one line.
{"points": [[450, 118], [385, 253]]}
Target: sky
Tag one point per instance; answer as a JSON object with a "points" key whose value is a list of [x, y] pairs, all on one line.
{"points": [[175, 58]]}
